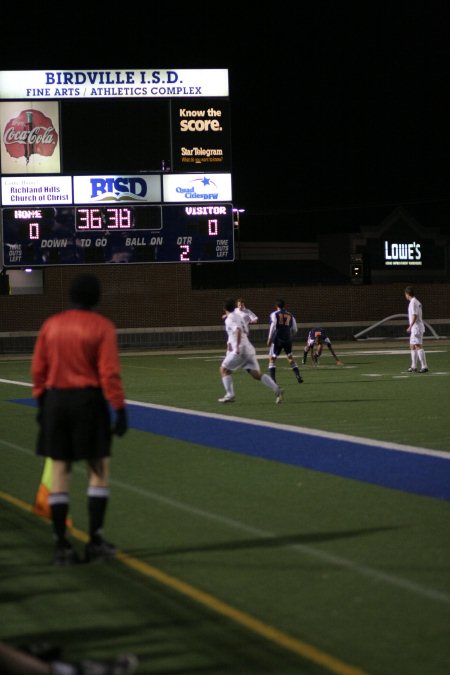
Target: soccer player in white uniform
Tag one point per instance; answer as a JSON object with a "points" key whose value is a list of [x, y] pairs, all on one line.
{"points": [[416, 329], [241, 354], [246, 313]]}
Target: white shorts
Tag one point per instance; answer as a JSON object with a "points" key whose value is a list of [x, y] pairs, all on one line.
{"points": [[416, 335], [246, 360]]}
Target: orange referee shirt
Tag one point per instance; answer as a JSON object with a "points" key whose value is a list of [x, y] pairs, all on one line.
{"points": [[75, 349]]}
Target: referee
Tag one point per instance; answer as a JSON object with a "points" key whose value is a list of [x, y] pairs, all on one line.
{"points": [[76, 379]]}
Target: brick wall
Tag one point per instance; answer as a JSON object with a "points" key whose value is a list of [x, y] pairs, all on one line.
{"points": [[158, 296]]}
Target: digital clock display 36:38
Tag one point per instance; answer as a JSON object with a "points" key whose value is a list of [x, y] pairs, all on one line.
{"points": [[119, 218]]}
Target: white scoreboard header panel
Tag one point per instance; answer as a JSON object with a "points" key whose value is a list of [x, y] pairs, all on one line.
{"points": [[67, 84]]}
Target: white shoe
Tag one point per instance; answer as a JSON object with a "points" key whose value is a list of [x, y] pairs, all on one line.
{"points": [[280, 394], [412, 370], [227, 399]]}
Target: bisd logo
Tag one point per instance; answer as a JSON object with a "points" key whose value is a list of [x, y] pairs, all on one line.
{"points": [[118, 189], [30, 133]]}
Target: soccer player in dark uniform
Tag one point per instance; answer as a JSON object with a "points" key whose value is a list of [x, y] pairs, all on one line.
{"points": [[282, 328], [315, 341], [76, 373]]}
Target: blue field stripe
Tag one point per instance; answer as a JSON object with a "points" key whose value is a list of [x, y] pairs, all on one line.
{"points": [[422, 474]]}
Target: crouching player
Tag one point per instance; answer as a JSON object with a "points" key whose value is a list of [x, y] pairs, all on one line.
{"points": [[315, 340]]}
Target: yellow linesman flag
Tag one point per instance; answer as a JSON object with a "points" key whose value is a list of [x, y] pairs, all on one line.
{"points": [[41, 506]]}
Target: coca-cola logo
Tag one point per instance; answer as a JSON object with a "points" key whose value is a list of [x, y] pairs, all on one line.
{"points": [[30, 133]]}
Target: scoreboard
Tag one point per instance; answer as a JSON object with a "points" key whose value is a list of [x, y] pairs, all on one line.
{"points": [[106, 167], [37, 237]]}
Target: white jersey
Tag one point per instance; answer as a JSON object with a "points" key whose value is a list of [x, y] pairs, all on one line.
{"points": [[246, 358], [234, 321], [415, 308], [417, 328], [248, 316]]}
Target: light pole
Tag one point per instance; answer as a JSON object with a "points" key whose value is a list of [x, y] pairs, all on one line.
{"points": [[236, 222]]}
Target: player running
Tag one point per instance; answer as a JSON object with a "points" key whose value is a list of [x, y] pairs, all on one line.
{"points": [[282, 328]]}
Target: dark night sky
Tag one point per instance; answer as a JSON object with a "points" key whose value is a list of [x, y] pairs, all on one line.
{"points": [[342, 105]]}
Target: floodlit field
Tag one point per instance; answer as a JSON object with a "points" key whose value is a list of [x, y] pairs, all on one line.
{"points": [[305, 538]]}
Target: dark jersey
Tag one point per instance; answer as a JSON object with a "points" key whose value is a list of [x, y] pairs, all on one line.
{"points": [[317, 333], [283, 326]]}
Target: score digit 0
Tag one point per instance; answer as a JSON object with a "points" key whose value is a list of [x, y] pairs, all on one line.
{"points": [[33, 230], [213, 227]]}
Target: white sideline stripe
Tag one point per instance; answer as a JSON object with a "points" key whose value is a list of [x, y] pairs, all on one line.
{"points": [[285, 427], [358, 352], [21, 384], [338, 561]]}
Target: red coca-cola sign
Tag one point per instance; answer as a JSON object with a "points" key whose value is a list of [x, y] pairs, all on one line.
{"points": [[31, 132]]}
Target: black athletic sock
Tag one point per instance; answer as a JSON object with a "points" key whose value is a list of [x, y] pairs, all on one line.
{"points": [[59, 504], [272, 373], [296, 371], [97, 503]]}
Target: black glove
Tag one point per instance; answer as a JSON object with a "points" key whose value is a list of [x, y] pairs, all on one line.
{"points": [[40, 411], [121, 424]]}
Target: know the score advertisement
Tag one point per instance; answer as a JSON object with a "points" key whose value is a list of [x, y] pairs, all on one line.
{"points": [[201, 137], [30, 137]]}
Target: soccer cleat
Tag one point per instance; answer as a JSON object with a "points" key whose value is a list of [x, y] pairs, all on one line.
{"points": [[227, 399], [412, 370], [65, 556], [423, 370], [304, 360], [125, 664], [99, 550], [299, 379], [280, 395]]}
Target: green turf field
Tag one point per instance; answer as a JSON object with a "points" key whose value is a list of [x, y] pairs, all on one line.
{"points": [[235, 564]]}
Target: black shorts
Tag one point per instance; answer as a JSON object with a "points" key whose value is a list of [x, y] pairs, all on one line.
{"points": [[76, 425], [280, 346]]}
